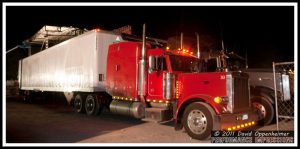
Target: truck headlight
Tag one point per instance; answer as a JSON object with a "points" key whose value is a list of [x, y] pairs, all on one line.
{"points": [[221, 100]]}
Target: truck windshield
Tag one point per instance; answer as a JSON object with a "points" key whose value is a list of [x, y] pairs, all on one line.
{"points": [[185, 64], [235, 64]]}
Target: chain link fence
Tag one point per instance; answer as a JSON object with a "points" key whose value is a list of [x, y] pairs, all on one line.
{"points": [[284, 85]]}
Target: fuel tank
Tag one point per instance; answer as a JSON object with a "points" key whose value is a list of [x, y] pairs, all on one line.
{"points": [[128, 108]]}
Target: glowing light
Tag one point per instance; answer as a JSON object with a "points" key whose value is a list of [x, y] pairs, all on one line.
{"points": [[97, 30], [191, 53], [177, 89], [217, 100], [247, 124], [167, 48]]}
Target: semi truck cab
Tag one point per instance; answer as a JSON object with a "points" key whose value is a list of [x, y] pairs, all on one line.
{"points": [[177, 87]]}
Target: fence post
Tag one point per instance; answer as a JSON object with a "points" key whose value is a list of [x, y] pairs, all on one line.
{"points": [[275, 91]]}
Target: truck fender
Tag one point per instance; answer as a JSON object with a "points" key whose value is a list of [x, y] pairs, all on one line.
{"points": [[266, 92], [191, 99]]}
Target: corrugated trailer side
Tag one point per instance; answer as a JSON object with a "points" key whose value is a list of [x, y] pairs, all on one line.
{"points": [[77, 64]]}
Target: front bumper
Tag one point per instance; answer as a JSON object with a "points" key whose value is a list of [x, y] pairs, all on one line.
{"points": [[236, 121]]}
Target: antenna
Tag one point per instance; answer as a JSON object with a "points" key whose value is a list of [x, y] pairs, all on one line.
{"points": [[246, 59], [222, 42], [181, 40], [198, 46]]}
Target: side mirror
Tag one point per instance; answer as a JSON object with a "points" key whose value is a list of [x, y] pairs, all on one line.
{"points": [[151, 64]]}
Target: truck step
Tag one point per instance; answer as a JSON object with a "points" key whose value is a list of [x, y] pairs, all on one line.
{"points": [[158, 115]]}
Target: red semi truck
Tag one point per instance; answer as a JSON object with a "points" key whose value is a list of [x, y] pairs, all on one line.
{"points": [[101, 69]]}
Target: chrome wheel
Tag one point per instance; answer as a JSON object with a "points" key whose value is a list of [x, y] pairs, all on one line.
{"points": [[197, 121], [261, 110]]}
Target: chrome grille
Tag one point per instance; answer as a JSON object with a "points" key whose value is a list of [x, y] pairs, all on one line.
{"points": [[240, 93]]}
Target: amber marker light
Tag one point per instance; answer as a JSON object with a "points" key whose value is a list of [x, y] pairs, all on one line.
{"points": [[217, 100]]}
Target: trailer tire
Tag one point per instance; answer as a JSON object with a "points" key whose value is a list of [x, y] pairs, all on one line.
{"points": [[264, 108], [79, 103], [198, 121], [92, 106]]}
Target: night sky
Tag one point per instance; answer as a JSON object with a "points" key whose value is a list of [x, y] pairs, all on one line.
{"points": [[265, 32]]}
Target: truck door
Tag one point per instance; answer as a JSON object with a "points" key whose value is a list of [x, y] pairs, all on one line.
{"points": [[155, 77]]}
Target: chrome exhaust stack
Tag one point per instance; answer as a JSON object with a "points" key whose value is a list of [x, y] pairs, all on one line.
{"points": [[198, 46], [142, 77]]}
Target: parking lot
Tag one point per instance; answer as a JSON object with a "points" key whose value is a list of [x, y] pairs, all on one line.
{"points": [[55, 122]]}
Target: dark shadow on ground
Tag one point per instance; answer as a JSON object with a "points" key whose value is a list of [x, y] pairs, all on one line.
{"points": [[51, 121]]}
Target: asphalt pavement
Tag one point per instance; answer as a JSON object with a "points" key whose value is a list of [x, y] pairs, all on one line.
{"points": [[56, 122]]}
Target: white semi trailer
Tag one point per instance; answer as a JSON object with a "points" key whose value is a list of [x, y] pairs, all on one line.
{"points": [[77, 64]]}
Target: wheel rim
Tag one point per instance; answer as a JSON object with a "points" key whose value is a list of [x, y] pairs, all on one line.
{"points": [[90, 104], [197, 121], [261, 108], [78, 103]]}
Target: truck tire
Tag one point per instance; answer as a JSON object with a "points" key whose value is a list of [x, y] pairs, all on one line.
{"points": [[198, 121], [79, 103], [92, 106], [264, 108]]}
